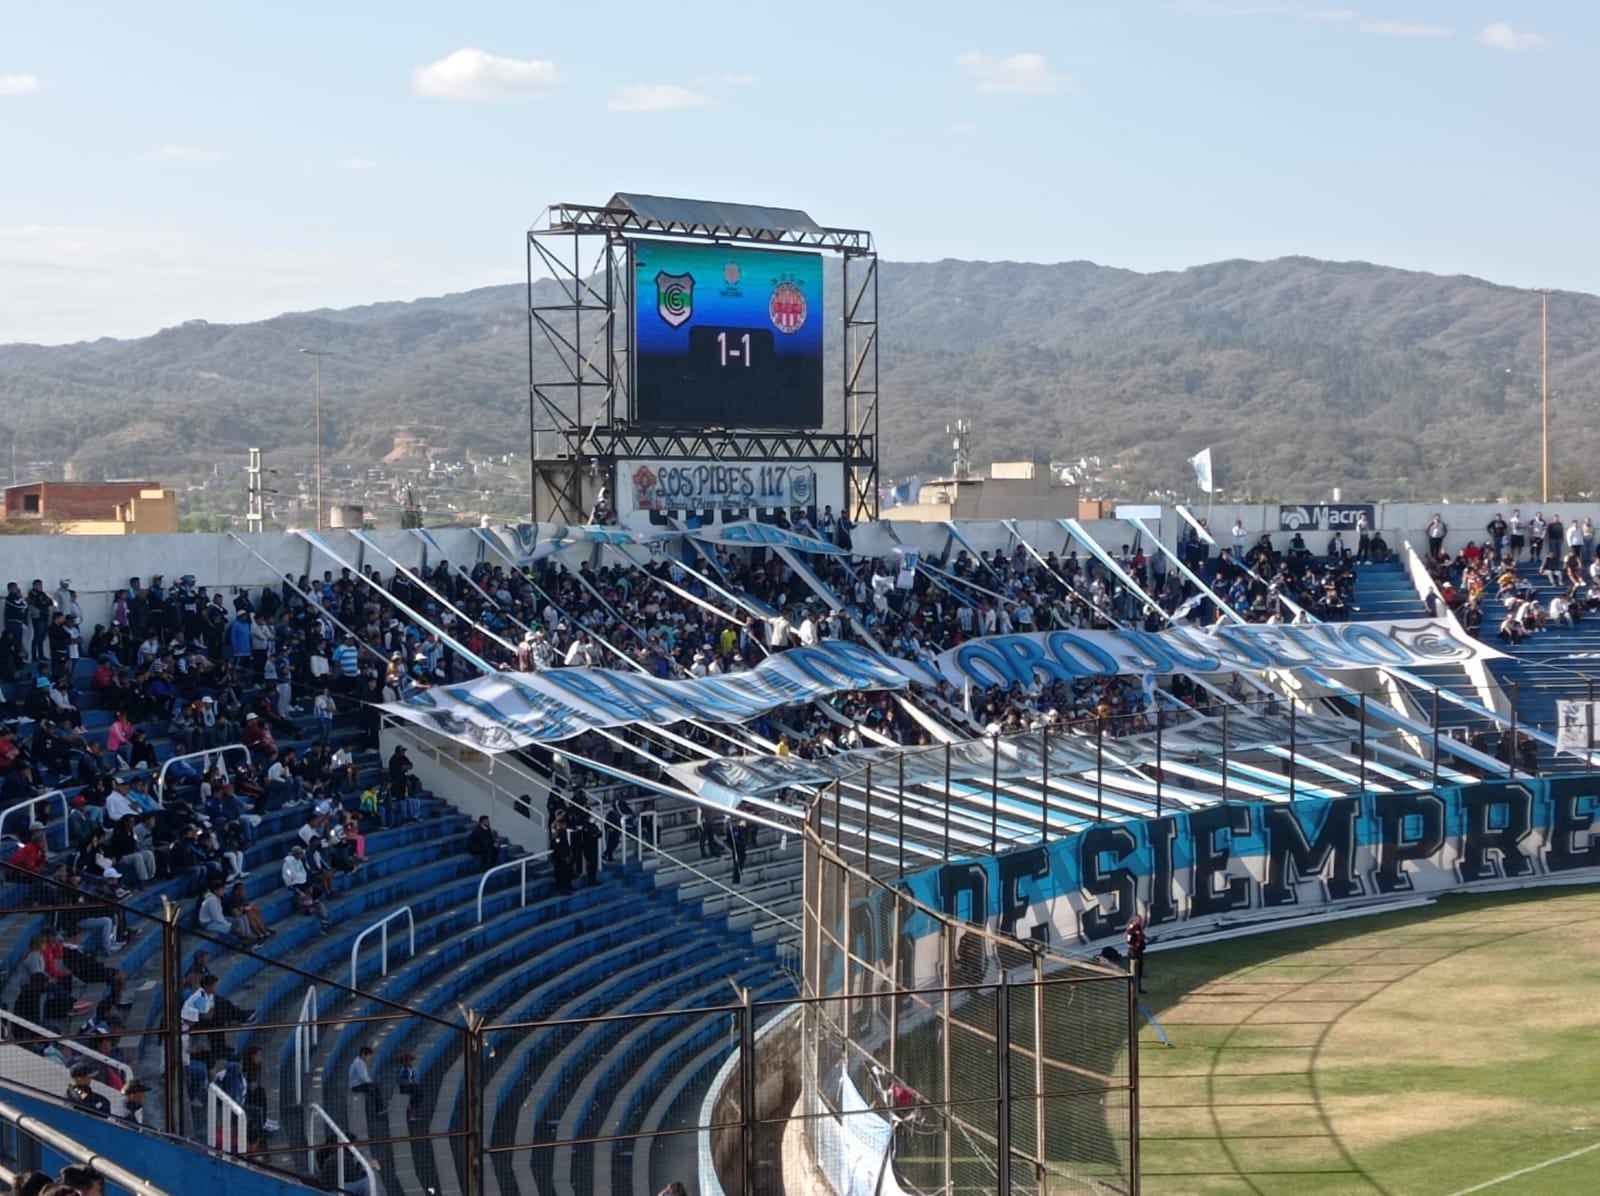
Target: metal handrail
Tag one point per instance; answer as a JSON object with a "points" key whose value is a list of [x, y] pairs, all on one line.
{"points": [[521, 863], [221, 753], [640, 843], [7, 1018], [27, 805], [306, 1034], [318, 1113], [443, 759], [226, 1124], [382, 925], [73, 1149]]}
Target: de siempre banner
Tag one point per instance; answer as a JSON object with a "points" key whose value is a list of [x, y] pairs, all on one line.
{"points": [[1242, 857]]}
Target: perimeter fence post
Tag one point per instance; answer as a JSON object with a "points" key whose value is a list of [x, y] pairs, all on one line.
{"points": [[1133, 1086], [947, 749], [172, 1017], [1294, 766], [1363, 780], [1002, 1053], [838, 819], [1511, 751], [869, 821], [900, 814], [1099, 771], [1039, 1152], [947, 934], [1589, 718], [1436, 736], [1161, 724], [747, 1088], [994, 793], [1225, 753], [472, 1102], [1044, 788]]}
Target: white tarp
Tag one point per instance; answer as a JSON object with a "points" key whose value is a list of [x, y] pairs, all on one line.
{"points": [[508, 710]]}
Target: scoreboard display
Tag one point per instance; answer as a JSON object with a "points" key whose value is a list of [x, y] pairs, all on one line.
{"points": [[726, 337]]}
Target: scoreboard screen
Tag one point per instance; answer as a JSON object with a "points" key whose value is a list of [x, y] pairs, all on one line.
{"points": [[726, 337]]}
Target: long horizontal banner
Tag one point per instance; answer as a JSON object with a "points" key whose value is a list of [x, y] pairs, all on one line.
{"points": [[750, 534], [1021, 757], [1232, 859], [527, 543], [510, 710], [504, 711], [1065, 655]]}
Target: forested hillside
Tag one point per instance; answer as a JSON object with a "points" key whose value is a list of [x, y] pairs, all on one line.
{"points": [[1303, 375]]}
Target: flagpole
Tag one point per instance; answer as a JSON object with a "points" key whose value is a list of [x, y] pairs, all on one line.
{"points": [[1211, 496]]}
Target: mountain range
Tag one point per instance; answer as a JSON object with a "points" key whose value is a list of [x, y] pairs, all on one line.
{"points": [[1302, 376]]}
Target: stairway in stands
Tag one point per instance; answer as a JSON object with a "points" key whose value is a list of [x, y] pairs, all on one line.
{"points": [[1557, 664], [1550, 666]]}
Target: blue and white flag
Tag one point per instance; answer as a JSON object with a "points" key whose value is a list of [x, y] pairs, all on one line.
{"points": [[1201, 462]]}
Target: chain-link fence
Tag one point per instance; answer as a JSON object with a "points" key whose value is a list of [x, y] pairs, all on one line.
{"points": [[942, 1057]]}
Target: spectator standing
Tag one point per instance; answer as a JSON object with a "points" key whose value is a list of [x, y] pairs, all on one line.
{"points": [[40, 607], [1137, 941], [363, 1082], [1436, 531], [482, 845]]}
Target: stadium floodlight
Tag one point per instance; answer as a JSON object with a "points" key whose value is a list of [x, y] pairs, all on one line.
{"points": [[317, 355]]}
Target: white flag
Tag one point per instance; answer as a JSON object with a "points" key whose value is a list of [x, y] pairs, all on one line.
{"points": [[1202, 468]]}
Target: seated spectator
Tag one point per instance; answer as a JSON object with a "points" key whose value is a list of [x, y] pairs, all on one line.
{"points": [[318, 867], [243, 915], [28, 863], [257, 737], [136, 860], [284, 786], [308, 900], [89, 969], [214, 920]]}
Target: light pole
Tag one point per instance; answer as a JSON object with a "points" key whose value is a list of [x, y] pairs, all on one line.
{"points": [[317, 355], [1544, 382]]}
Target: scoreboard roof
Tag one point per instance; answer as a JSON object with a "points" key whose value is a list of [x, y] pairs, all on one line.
{"points": [[739, 219]]}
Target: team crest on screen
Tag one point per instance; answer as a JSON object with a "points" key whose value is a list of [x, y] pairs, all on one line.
{"points": [[787, 307], [730, 274], [675, 297]]}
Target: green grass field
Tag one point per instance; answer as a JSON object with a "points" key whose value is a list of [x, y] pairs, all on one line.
{"points": [[1427, 1052]]}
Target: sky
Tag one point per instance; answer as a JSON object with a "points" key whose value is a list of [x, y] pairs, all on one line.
{"points": [[170, 160]]}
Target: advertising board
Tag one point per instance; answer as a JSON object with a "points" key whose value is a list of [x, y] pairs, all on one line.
{"points": [[678, 487]]}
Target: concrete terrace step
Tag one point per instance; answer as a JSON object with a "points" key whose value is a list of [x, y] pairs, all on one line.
{"points": [[569, 1076], [683, 1055]]}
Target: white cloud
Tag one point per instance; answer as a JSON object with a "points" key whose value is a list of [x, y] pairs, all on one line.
{"points": [[182, 153], [1501, 36], [736, 80], [19, 85], [1026, 74], [1333, 16], [359, 164], [962, 128], [470, 74], [1403, 29], [72, 282], [656, 97]]}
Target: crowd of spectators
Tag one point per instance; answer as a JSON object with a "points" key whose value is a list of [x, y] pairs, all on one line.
{"points": [[1486, 581]]}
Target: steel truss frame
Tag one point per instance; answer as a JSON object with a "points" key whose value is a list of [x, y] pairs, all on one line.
{"points": [[577, 409]]}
